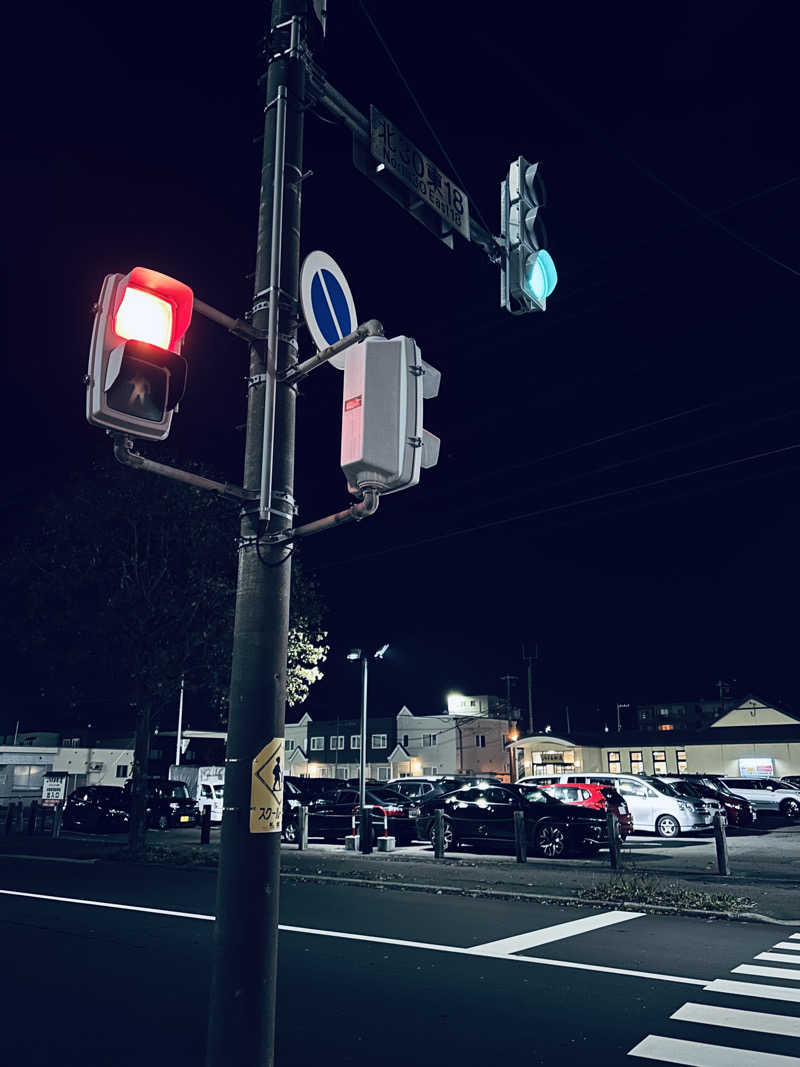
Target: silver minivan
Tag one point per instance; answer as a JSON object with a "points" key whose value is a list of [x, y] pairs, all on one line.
{"points": [[655, 807]]}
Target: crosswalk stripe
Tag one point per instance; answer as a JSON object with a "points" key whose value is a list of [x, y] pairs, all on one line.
{"points": [[788, 944], [545, 936], [777, 957], [698, 1054], [768, 972], [754, 989], [760, 1021]]}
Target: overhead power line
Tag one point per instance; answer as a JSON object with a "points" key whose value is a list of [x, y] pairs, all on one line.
{"points": [[552, 509]]}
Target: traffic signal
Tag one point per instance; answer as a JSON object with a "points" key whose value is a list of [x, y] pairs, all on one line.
{"points": [[136, 374], [384, 445], [528, 274]]}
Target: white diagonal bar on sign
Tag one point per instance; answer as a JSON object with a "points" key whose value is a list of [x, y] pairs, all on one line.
{"points": [[533, 938]]}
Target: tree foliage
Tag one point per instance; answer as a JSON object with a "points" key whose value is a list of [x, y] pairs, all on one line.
{"points": [[121, 583]]}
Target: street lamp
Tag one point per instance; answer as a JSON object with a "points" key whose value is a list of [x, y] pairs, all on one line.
{"points": [[358, 654]]}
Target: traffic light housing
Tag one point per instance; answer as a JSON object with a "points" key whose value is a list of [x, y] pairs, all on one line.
{"points": [[137, 374], [528, 274], [384, 444]]}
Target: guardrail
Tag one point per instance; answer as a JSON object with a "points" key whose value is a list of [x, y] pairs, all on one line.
{"points": [[37, 818]]}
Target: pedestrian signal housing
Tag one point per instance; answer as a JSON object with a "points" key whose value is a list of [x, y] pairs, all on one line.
{"points": [[528, 274], [137, 374], [384, 444]]}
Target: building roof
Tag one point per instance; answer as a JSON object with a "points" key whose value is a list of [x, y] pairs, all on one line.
{"points": [[712, 735]]}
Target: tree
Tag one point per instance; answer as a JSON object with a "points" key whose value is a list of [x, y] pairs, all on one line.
{"points": [[123, 584]]}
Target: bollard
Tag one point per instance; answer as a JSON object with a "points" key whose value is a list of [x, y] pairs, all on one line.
{"points": [[302, 827], [9, 819], [58, 815], [32, 815], [721, 840], [613, 838], [438, 834], [520, 837], [365, 830], [19, 824], [205, 825]]}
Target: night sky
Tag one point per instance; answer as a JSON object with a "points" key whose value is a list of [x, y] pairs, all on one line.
{"points": [[618, 478]]}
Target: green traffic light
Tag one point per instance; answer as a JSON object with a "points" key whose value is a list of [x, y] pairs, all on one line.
{"points": [[541, 276]]}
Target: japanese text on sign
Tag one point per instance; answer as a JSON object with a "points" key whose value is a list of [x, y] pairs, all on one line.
{"points": [[399, 155]]}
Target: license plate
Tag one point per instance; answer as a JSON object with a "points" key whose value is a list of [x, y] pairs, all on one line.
{"points": [[413, 813], [184, 818]]}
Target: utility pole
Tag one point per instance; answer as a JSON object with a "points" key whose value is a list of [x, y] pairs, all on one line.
{"points": [[529, 659], [509, 679], [241, 1025]]}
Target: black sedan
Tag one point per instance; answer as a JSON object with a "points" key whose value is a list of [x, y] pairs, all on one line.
{"points": [[96, 808], [484, 814], [331, 817]]}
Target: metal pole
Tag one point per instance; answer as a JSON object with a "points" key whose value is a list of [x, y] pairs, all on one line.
{"points": [[365, 824], [520, 840], [241, 1024], [613, 838], [180, 727], [721, 842]]}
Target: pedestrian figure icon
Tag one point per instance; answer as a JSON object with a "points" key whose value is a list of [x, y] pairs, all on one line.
{"points": [[276, 775]]}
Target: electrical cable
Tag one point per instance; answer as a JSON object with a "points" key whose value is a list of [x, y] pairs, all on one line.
{"points": [[401, 76], [551, 509]]}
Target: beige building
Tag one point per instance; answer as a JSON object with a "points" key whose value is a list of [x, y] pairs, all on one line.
{"points": [[752, 740]]}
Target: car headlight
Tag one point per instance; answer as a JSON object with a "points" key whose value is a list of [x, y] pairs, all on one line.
{"points": [[174, 805], [685, 805]]}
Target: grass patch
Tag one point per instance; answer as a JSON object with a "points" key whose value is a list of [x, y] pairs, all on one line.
{"points": [[194, 856], [640, 889]]}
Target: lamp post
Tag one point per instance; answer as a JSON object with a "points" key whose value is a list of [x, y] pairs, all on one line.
{"points": [[357, 654]]}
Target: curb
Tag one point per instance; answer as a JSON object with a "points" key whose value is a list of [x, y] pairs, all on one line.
{"points": [[546, 898]]}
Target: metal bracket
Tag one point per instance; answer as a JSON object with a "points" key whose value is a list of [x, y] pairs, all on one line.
{"points": [[255, 379]]}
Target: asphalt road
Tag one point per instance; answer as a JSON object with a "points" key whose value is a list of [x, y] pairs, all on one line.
{"points": [[449, 980]]}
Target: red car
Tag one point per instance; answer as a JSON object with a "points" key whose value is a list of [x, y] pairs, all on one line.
{"points": [[600, 797]]}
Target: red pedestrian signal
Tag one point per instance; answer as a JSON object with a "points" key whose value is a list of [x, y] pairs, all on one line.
{"points": [[137, 374]]}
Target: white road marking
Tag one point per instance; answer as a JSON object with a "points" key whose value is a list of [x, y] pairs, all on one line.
{"points": [[697, 1054], [789, 944], [777, 957], [105, 904], [760, 1021], [768, 972], [554, 933], [755, 990], [370, 937]]}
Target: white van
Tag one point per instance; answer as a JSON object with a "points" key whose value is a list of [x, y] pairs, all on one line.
{"points": [[655, 807]]}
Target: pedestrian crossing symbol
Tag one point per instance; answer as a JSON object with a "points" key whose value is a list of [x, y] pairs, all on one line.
{"points": [[266, 789]]}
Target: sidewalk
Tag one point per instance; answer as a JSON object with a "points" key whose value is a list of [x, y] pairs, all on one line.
{"points": [[639, 882]]}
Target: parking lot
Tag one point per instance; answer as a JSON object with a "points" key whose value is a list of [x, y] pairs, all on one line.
{"points": [[770, 851]]}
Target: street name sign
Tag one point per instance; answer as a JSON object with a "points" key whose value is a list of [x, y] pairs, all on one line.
{"points": [[328, 306], [400, 156]]}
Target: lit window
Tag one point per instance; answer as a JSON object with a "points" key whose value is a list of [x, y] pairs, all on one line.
{"points": [[659, 761], [614, 764], [637, 763], [666, 726], [680, 757]]}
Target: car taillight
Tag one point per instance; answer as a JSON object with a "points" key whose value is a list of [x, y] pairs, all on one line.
{"points": [[393, 811]]}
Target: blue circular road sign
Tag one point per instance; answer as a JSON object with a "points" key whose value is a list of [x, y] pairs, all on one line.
{"points": [[327, 302]]}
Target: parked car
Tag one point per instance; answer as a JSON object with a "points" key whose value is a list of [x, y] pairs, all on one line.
{"points": [[96, 808], [693, 791], [169, 804], [599, 797], [422, 811], [428, 785], [654, 805], [310, 788], [484, 814], [331, 816], [792, 779], [739, 812], [292, 800], [768, 795]]}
